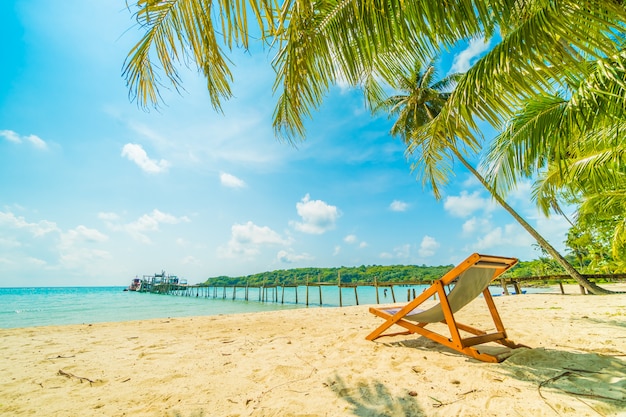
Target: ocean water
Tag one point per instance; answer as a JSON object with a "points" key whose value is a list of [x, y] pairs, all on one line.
{"points": [[26, 307], [43, 306]]}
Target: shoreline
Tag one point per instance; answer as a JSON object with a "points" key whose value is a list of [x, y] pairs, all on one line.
{"points": [[56, 308], [316, 362]]}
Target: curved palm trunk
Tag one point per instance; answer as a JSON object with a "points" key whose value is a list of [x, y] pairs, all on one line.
{"points": [[590, 286]]}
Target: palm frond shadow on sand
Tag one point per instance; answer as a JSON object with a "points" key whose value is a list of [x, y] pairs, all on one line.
{"points": [[373, 399], [597, 378]]}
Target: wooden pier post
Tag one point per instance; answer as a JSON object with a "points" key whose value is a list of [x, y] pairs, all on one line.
{"points": [[376, 287], [307, 290], [339, 286], [561, 286], [505, 290], [356, 295], [261, 290], [320, 289]]}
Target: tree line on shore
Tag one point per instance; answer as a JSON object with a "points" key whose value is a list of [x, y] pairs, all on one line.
{"points": [[381, 273]]}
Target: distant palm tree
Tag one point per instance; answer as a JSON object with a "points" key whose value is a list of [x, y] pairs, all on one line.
{"points": [[419, 103]]}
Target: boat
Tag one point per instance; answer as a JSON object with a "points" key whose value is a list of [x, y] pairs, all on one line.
{"points": [[135, 285], [157, 283]]}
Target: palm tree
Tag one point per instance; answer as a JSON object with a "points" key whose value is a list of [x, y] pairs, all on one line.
{"points": [[572, 142], [418, 103], [325, 41], [320, 43]]}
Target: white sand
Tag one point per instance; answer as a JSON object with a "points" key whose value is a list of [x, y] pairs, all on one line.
{"points": [[316, 362]]}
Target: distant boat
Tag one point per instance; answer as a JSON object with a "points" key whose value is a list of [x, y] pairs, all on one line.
{"points": [[156, 283], [135, 285]]}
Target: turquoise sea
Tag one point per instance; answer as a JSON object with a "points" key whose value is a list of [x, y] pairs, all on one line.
{"points": [[40, 306]]}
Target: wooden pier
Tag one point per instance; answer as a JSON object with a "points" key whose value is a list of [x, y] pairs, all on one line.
{"points": [[313, 294], [171, 285]]}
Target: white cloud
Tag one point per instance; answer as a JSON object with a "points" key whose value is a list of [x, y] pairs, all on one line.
{"points": [[138, 155], [247, 240], [318, 217], [84, 258], [143, 225], [231, 181], [350, 239], [464, 59], [397, 205], [38, 229], [475, 224], [82, 234], [554, 229], [11, 136], [10, 242], [354, 240], [512, 235], [336, 250], [190, 260], [399, 252], [289, 257], [522, 191], [14, 137], [471, 182], [108, 216], [428, 246], [466, 204], [77, 251], [37, 142]]}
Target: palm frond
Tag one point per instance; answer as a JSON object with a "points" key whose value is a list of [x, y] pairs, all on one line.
{"points": [[524, 146]]}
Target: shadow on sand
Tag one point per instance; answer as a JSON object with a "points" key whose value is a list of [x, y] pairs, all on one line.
{"points": [[591, 380], [374, 399], [573, 381]]}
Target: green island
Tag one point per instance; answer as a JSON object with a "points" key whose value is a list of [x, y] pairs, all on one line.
{"points": [[543, 271]]}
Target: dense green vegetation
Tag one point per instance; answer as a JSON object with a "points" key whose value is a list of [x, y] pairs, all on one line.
{"points": [[542, 267], [360, 274]]}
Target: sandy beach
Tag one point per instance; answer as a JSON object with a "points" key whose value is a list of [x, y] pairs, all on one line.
{"points": [[316, 362]]}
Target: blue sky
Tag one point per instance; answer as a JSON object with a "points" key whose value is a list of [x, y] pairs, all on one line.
{"points": [[96, 190]]}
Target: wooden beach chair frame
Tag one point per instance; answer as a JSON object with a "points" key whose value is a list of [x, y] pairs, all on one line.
{"points": [[415, 320]]}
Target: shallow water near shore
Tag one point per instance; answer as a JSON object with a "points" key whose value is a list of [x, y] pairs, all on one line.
{"points": [[44, 306]]}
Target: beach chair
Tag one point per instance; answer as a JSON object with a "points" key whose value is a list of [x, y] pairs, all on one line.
{"points": [[468, 280]]}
